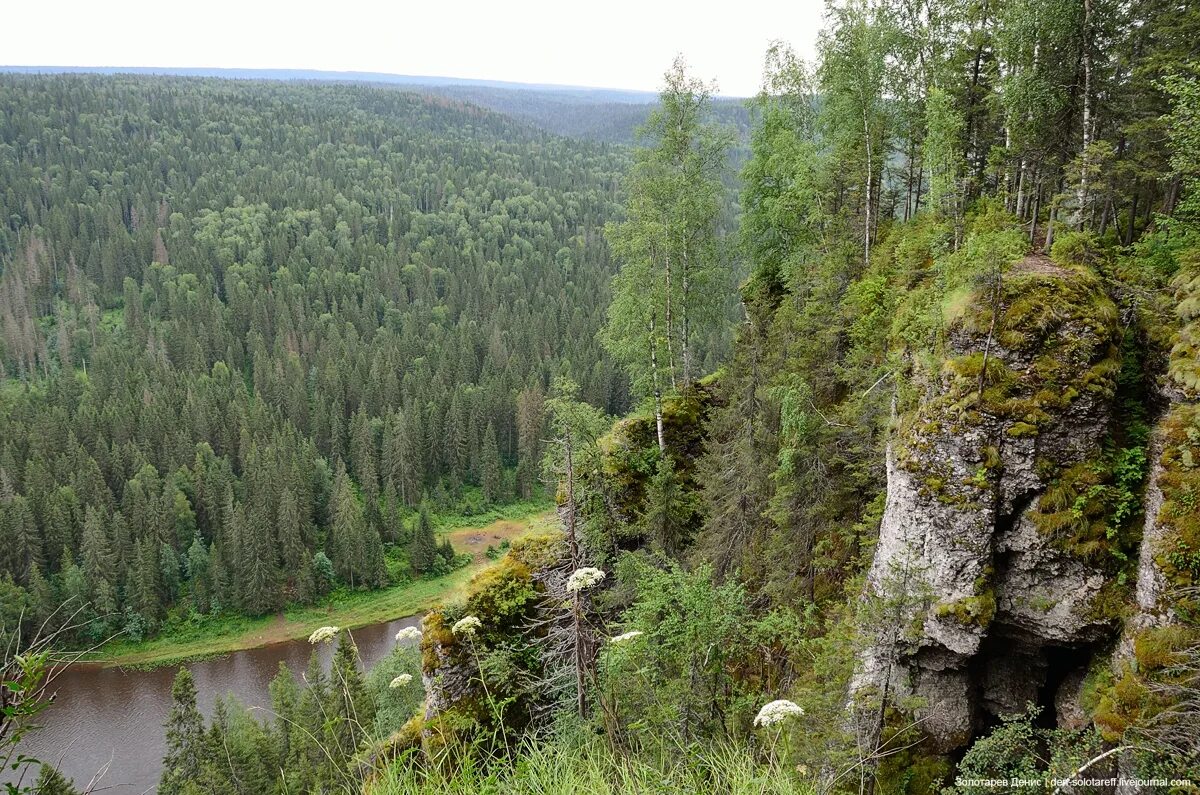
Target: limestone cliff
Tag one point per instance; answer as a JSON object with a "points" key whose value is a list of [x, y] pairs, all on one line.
{"points": [[998, 552]]}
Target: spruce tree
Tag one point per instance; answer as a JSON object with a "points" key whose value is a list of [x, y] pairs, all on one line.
{"points": [[314, 713], [146, 596], [323, 573], [184, 736], [347, 532], [289, 531], [26, 541], [422, 552], [73, 590], [51, 782], [353, 710], [446, 551], [98, 558], [285, 700], [199, 575], [259, 583], [168, 564], [491, 478], [530, 422]]}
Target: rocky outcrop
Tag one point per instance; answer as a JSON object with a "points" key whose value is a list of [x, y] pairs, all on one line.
{"points": [[505, 599], [446, 674], [1151, 701], [992, 593]]}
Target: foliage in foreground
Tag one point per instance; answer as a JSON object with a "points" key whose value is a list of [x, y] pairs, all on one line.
{"points": [[312, 738], [573, 763]]}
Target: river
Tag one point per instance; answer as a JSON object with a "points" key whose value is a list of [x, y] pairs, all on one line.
{"points": [[110, 720]]}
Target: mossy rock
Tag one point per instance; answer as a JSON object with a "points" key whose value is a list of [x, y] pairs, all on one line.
{"points": [[1022, 430], [970, 611], [435, 634], [1183, 369], [912, 774], [501, 597], [1111, 603], [1178, 554], [1075, 511], [1121, 704], [406, 741], [1065, 326], [1155, 648], [406, 738]]}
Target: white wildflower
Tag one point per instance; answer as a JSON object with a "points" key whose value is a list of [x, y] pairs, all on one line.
{"points": [[408, 633], [625, 636], [401, 680], [323, 635], [777, 712], [466, 626], [582, 579]]}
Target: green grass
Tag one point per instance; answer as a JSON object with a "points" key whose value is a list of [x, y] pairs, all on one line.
{"points": [[569, 766], [198, 636], [513, 511], [208, 636]]}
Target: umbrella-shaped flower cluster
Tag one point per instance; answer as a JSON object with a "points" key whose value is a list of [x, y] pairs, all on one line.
{"points": [[323, 635], [408, 633], [466, 627], [582, 579], [777, 712]]}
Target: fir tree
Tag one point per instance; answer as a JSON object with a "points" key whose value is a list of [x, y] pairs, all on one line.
{"points": [[51, 782], [168, 564], [348, 532], [259, 577], [491, 478], [184, 736], [199, 572], [288, 528], [353, 712], [422, 552]]}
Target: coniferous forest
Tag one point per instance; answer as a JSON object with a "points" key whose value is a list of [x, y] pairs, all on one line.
{"points": [[249, 329], [872, 433]]}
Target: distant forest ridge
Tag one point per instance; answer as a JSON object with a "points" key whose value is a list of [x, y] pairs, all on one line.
{"points": [[598, 114], [586, 92]]}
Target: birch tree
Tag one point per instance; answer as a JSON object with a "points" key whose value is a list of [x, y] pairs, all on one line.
{"points": [[670, 284]]}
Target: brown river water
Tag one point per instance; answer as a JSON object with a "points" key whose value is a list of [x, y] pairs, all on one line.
{"points": [[109, 721]]}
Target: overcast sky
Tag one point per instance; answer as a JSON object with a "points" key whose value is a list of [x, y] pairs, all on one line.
{"points": [[613, 43]]}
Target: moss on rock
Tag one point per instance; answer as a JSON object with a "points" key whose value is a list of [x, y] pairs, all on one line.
{"points": [[1178, 554], [970, 611]]}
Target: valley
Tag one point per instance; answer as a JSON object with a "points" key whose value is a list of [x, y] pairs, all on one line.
{"points": [[483, 437]]}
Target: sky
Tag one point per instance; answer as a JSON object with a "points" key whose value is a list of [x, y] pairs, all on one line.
{"points": [[612, 43]]}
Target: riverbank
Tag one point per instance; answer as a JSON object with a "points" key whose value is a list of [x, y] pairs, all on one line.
{"points": [[210, 637]]}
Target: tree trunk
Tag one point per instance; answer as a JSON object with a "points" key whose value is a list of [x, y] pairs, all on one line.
{"points": [[1020, 202], [1050, 228], [686, 342], [1172, 195], [1132, 217], [1081, 194], [658, 413], [572, 535], [867, 220], [908, 182], [920, 186], [668, 317]]}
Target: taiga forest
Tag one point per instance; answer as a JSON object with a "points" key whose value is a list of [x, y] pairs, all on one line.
{"points": [[841, 439]]}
